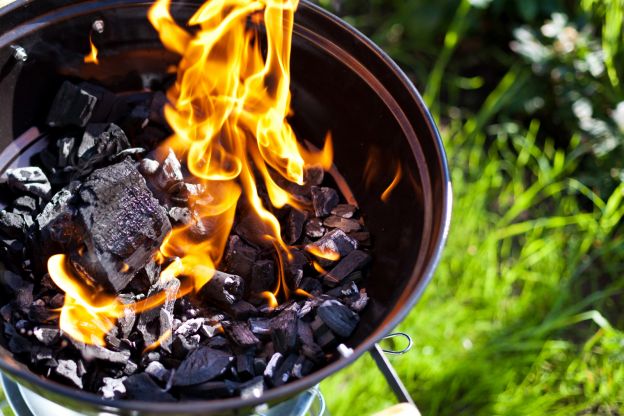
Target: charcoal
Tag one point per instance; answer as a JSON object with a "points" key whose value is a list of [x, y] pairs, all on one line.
{"points": [[260, 327], [302, 367], [295, 267], [353, 261], [181, 215], [359, 302], [262, 276], [123, 224], [338, 317], [105, 101], [169, 172], [240, 334], [333, 243], [25, 204], [223, 288], [344, 210], [323, 200], [53, 222], [158, 371], [284, 334], [68, 370], [201, 365], [218, 342], [142, 387], [31, 180], [245, 366], [181, 346], [242, 310], [130, 368], [113, 388], [12, 225], [283, 372], [19, 344], [311, 285], [46, 335], [127, 320], [57, 301], [345, 224], [272, 366], [314, 352], [94, 352], [100, 142], [15, 284], [43, 356], [148, 167], [72, 106], [314, 228], [6, 312], [190, 327], [165, 328], [294, 226], [133, 151], [252, 389], [208, 331], [314, 175], [239, 257], [66, 147], [304, 333], [40, 313], [346, 290]]}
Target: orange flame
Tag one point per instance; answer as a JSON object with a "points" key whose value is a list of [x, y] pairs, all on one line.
{"points": [[159, 341], [323, 253], [228, 111], [397, 178], [92, 57]]}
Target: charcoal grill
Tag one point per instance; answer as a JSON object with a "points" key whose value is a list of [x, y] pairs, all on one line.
{"points": [[341, 82]]}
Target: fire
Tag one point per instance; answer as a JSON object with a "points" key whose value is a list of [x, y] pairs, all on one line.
{"points": [[229, 113], [92, 57], [397, 178]]}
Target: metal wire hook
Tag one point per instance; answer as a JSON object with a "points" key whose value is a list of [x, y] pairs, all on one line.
{"points": [[404, 350]]}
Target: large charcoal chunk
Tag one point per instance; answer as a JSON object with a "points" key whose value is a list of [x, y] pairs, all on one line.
{"points": [[101, 141], [223, 288], [294, 229], [12, 225], [338, 317], [284, 332], [202, 365], [240, 334], [143, 387], [240, 257], [262, 276], [72, 106], [70, 371], [31, 180], [324, 200], [332, 243], [170, 171], [123, 224], [355, 260]]}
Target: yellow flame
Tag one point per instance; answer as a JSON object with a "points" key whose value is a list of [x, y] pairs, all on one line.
{"points": [[164, 337], [397, 178], [319, 268], [323, 253], [229, 112], [92, 57]]}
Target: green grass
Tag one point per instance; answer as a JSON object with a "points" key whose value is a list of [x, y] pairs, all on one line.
{"points": [[521, 317]]}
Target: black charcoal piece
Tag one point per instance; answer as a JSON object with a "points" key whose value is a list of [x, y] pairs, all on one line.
{"points": [[165, 328], [12, 225], [113, 388], [362, 237], [158, 371], [31, 180], [24, 297], [72, 106], [43, 356], [311, 285], [41, 314], [142, 387], [210, 390], [252, 389], [46, 335], [130, 368], [304, 333], [223, 288], [345, 224], [314, 228], [203, 364], [273, 365], [333, 243], [283, 371], [148, 167], [242, 310], [57, 301], [323, 200], [219, 342], [262, 276], [313, 175], [346, 290], [190, 327], [359, 302], [100, 141], [245, 366], [344, 210], [95, 352], [355, 260], [68, 369], [170, 172], [181, 346], [54, 222], [105, 101], [240, 334], [208, 331], [284, 331], [7, 312], [239, 257], [261, 327], [123, 225], [127, 320], [133, 151], [25, 204], [338, 317], [294, 226], [66, 147], [302, 367]]}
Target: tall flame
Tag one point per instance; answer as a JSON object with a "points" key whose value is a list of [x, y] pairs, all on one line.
{"points": [[229, 113], [92, 57]]}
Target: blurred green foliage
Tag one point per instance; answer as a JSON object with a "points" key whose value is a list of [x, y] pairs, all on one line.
{"points": [[523, 316]]}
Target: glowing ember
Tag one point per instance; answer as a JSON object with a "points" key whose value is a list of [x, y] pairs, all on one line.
{"points": [[228, 110]]}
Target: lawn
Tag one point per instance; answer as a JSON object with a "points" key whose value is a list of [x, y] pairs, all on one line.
{"points": [[523, 314]]}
